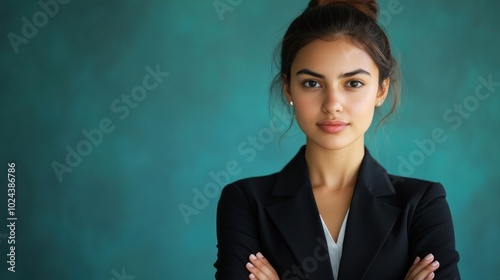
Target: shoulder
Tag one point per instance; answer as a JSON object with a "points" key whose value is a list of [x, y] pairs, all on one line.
{"points": [[246, 198], [382, 184], [257, 182], [266, 190], [251, 187], [417, 192], [401, 190], [415, 186]]}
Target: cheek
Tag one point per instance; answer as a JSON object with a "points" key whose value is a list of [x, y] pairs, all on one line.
{"points": [[363, 106], [307, 104], [306, 107], [302, 112]]}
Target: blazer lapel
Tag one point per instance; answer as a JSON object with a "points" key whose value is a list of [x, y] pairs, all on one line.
{"points": [[297, 218], [370, 219]]}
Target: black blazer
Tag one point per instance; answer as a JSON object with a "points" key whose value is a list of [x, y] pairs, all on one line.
{"points": [[391, 221]]}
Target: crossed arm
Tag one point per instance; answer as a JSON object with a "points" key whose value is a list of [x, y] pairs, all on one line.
{"points": [[431, 239], [431, 228], [259, 268]]}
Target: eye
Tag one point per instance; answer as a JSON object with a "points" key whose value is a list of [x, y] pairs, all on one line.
{"points": [[355, 84], [311, 84]]}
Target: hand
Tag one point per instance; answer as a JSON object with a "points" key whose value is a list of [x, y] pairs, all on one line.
{"points": [[260, 268], [423, 269]]}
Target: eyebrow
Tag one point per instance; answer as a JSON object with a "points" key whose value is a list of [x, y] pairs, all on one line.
{"points": [[343, 75], [310, 73]]}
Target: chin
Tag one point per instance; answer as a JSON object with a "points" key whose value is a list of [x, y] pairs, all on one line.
{"points": [[336, 142], [332, 145]]}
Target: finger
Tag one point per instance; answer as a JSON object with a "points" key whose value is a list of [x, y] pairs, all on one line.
{"points": [[256, 273], [423, 275], [262, 259], [261, 268], [420, 266], [263, 265], [253, 270], [252, 276], [424, 269]]}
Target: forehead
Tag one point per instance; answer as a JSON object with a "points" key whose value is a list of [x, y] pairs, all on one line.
{"points": [[333, 57]]}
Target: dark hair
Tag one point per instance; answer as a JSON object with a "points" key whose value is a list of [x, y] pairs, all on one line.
{"points": [[329, 20]]}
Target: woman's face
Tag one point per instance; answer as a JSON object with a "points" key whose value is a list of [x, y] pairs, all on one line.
{"points": [[334, 88]]}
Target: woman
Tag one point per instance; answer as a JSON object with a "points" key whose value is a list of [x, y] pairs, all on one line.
{"points": [[333, 212]]}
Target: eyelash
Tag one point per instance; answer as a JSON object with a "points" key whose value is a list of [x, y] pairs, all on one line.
{"points": [[356, 81], [304, 84]]}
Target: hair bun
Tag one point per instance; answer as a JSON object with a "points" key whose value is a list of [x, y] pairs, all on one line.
{"points": [[368, 7]]}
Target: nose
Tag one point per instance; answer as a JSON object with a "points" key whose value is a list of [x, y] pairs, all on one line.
{"points": [[332, 101]]}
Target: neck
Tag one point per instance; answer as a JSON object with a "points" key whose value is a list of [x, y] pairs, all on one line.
{"points": [[334, 169]]}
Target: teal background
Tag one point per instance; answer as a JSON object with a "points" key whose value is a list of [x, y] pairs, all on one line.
{"points": [[117, 213]]}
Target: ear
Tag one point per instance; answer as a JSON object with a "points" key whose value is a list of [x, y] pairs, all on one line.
{"points": [[383, 91], [286, 88]]}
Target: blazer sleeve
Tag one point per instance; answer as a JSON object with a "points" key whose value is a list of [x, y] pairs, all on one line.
{"points": [[431, 231], [237, 234]]}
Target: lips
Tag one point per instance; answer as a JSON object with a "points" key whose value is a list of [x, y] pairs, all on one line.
{"points": [[332, 126]]}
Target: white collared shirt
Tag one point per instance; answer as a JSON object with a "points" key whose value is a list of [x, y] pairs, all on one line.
{"points": [[335, 248]]}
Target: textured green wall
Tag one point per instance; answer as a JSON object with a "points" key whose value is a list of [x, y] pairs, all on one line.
{"points": [[168, 142]]}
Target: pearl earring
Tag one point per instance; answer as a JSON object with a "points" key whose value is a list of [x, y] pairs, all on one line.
{"points": [[291, 103]]}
